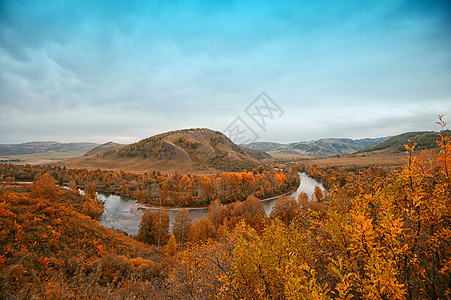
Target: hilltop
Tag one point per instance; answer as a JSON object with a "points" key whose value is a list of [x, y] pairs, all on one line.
{"points": [[101, 149], [198, 150], [317, 148]]}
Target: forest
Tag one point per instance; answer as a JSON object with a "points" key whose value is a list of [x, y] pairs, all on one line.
{"points": [[155, 188], [376, 234]]}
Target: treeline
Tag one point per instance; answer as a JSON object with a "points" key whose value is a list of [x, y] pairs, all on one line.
{"points": [[220, 220], [334, 176], [175, 190]]}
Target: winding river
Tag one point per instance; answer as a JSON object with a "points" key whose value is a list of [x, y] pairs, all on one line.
{"points": [[125, 213]]}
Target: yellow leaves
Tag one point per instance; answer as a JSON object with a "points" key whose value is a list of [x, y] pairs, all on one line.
{"points": [[303, 285], [344, 287], [381, 281], [265, 266], [171, 246]]}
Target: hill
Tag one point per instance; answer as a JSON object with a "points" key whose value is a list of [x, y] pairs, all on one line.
{"points": [[103, 148], [423, 139], [50, 248], [317, 148], [263, 146], [72, 149], [189, 150]]}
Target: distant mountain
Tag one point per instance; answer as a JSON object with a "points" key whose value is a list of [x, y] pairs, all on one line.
{"points": [[103, 148], [72, 149], [263, 146], [317, 148], [189, 150], [423, 139]]}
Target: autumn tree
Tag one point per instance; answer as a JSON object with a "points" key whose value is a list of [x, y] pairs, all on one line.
{"points": [[154, 227], [271, 265], [318, 193], [391, 233], [90, 190], [285, 209], [171, 246], [72, 185], [217, 213], [303, 197], [181, 226], [197, 271], [201, 230], [45, 186], [251, 211]]}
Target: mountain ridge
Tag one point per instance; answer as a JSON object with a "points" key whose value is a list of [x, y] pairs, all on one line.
{"points": [[75, 148], [423, 139], [317, 148]]}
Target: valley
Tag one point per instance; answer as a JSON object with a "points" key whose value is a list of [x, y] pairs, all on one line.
{"points": [[212, 208]]}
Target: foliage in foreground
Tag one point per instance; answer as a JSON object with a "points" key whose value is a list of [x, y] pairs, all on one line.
{"points": [[52, 248], [374, 236], [377, 237]]}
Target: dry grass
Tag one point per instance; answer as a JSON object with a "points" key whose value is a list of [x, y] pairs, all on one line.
{"points": [[39, 158], [136, 165], [378, 158]]}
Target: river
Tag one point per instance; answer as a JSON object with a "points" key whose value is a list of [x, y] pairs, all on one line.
{"points": [[125, 213]]}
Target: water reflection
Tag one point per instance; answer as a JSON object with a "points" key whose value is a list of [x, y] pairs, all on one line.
{"points": [[307, 186]]}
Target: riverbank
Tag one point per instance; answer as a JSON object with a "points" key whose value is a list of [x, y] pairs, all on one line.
{"points": [[125, 214]]}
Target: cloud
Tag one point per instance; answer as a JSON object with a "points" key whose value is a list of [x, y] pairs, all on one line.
{"points": [[87, 70]]}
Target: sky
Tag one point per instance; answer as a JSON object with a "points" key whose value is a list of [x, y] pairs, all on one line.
{"points": [[98, 71]]}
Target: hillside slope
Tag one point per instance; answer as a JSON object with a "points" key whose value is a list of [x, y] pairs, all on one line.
{"points": [[51, 250], [188, 150], [72, 149], [423, 139], [263, 146], [103, 148], [317, 148]]}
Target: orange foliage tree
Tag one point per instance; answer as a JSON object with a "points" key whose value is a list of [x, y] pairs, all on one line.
{"points": [[201, 230], [181, 226], [285, 209], [45, 186], [380, 237], [154, 227]]}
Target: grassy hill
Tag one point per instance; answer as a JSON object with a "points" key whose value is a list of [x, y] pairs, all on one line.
{"points": [[189, 150], [317, 148], [263, 146], [73, 149], [423, 139], [110, 146]]}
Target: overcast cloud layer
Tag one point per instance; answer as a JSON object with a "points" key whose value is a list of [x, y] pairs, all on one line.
{"points": [[124, 70]]}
